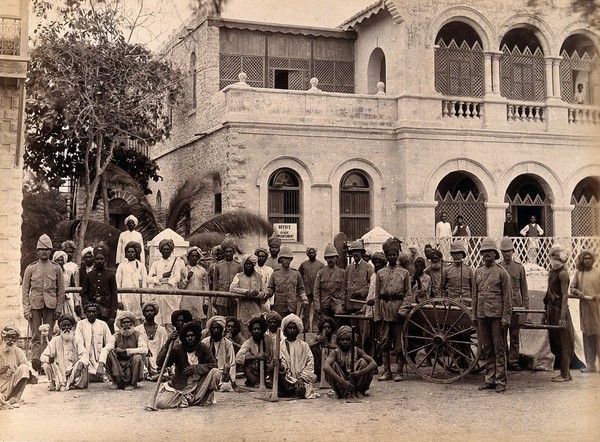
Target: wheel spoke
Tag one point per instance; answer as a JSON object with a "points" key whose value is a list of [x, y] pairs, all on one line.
{"points": [[426, 356], [422, 328], [463, 313], [417, 337], [427, 319], [460, 352], [434, 364], [471, 329], [456, 341], [417, 349], [458, 367], [435, 308]]}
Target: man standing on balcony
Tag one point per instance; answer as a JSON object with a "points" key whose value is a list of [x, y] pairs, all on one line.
{"points": [[510, 226], [580, 96], [520, 298], [443, 229], [130, 235], [532, 231], [461, 229]]}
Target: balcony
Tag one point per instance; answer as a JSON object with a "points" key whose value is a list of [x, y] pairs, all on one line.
{"points": [[13, 38]]}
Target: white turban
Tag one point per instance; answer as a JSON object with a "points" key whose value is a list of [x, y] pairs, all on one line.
{"points": [[218, 319], [563, 256], [292, 318], [124, 314], [131, 218], [58, 255], [87, 250]]}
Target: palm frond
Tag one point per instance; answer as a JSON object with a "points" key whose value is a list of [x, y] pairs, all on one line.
{"points": [[237, 223], [148, 226], [96, 233], [181, 202], [117, 177], [206, 240]]}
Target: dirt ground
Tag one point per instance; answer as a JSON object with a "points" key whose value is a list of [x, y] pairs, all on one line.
{"points": [[533, 408]]}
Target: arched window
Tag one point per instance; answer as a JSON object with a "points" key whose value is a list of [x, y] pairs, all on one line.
{"points": [[218, 202], [458, 61], [375, 70], [522, 66], [355, 204], [579, 71], [193, 78], [585, 217], [284, 199]]}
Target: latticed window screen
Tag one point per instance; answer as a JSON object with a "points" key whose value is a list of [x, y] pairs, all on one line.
{"points": [[284, 198], [298, 72], [585, 217], [335, 76], [459, 70], [10, 36], [231, 65], [547, 221], [574, 62], [470, 207], [522, 74], [355, 205]]}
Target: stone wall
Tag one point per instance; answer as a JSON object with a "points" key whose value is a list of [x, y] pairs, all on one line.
{"points": [[11, 183]]}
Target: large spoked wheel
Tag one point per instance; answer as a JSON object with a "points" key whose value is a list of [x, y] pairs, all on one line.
{"points": [[440, 340]]}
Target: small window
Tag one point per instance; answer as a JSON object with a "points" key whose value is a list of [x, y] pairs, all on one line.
{"points": [[193, 78], [282, 80], [284, 199], [355, 205]]}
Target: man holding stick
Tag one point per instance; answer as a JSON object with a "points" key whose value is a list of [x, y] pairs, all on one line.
{"points": [[349, 369], [255, 352]]}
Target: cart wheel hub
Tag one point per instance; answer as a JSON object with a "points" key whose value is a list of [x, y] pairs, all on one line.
{"points": [[439, 339]]}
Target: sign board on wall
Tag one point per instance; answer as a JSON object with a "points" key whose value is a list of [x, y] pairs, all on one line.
{"points": [[286, 232]]}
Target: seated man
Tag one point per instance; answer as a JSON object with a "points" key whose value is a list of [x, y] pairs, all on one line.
{"points": [[196, 375], [326, 339], [273, 324], [256, 349], [346, 380], [94, 334], [124, 354], [297, 369], [222, 350], [233, 332], [15, 371], [178, 319], [156, 335], [65, 360]]}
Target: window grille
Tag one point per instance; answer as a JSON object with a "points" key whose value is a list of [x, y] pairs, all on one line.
{"points": [[584, 63], [585, 217], [335, 76], [231, 65], [547, 221], [10, 36], [355, 205], [284, 198], [470, 207], [459, 70], [522, 74]]}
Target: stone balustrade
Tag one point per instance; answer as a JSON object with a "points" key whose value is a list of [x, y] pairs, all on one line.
{"points": [[584, 115], [525, 112], [462, 108]]}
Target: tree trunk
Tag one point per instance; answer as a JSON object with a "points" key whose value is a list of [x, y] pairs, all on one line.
{"points": [[105, 199]]}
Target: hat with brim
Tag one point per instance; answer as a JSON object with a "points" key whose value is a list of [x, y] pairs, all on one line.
{"points": [[285, 252], [356, 246], [489, 244]]}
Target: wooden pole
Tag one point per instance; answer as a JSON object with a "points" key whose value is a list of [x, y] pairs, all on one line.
{"points": [[160, 376]]}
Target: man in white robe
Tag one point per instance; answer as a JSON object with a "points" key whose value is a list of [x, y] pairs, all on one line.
{"points": [[130, 235], [166, 273], [222, 349], [94, 334], [156, 335], [132, 273], [194, 277]]}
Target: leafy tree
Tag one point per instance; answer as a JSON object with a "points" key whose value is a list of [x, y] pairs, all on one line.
{"points": [[88, 90]]}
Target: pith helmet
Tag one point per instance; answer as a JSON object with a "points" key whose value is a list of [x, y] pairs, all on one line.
{"points": [[330, 251], [506, 244], [489, 244], [356, 245], [458, 247], [285, 252]]}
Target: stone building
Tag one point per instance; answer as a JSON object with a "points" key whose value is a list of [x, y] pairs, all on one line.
{"points": [[407, 109], [13, 70]]}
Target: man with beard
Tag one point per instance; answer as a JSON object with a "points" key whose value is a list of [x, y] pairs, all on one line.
{"points": [[265, 271], [421, 282], [347, 380], [586, 287], [273, 323], [297, 369], [196, 374], [166, 273], [358, 276], [233, 332], [15, 371], [43, 296], [510, 228], [329, 286], [100, 286], [94, 334], [457, 277], [393, 285], [250, 284], [124, 354], [491, 315], [178, 319], [225, 271], [132, 273], [156, 336], [65, 360], [195, 277], [257, 349], [325, 340], [128, 236], [274, 244], [286, 285], [309, 269], [86, 266], [435, 271], [222, 349]]}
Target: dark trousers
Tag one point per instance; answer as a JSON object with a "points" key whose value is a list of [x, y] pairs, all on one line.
{"points": [[514, 334], [561, 340], [493, 346], [38, 316]]}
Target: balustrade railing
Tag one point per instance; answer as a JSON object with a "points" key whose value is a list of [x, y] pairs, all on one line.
{"points": [[462, 109], [584, 116], [525, 112]]}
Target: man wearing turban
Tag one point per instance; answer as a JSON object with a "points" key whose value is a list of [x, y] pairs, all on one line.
{"points": [[71, 299], [249, 283], [265, 271], [309, 269], [196, 374], [194, 277], [156, 336], [100, 286], [324, 342], [132, 273], [15, 371], [274, 244], [257, 349], [127, 236], [434, 271], [393, 286], [124, 354], [166, 272], [43, 296], [273, 324], [225, 271], [221, 348], [297, 362], [94, 334], [347, 380], [65, 360], [586, 286]]}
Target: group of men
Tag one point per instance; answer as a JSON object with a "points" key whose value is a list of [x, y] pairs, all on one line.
{"points": [[206, 345]]}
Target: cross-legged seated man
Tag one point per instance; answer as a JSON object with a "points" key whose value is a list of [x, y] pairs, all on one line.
{"points": [[256, 349], [15, 371]]}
